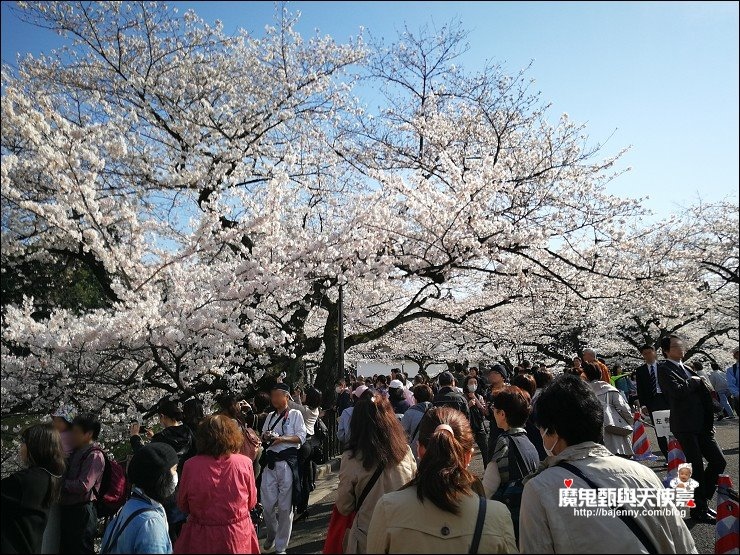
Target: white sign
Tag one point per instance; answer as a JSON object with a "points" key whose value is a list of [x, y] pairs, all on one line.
{"points": [[662, 421]]}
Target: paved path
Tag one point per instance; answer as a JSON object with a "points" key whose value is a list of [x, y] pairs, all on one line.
{"points": [[308, 535]]}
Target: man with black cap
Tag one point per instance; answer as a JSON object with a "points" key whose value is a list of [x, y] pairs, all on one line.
{"points": [[141, 524], [283, 433], [448, 396]]}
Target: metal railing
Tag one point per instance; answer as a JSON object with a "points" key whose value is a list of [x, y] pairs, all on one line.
{"points": [[332, 446]]}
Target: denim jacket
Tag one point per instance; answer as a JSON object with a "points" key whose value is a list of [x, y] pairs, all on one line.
{"points": [[146, 533]]}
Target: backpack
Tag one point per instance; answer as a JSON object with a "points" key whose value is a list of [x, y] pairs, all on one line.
{"points": [[510, 493], [113, 487]]}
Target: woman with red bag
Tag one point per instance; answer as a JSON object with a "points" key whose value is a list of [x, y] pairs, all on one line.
{"points": [[377, 460]]}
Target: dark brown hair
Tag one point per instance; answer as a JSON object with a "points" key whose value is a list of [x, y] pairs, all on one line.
{"points": [[442, 475], [515, 404], [423, 393], [218, 435], [376, 434], [525, 382], [44, 448]]}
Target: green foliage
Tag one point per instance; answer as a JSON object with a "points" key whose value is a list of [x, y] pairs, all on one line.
{"points": [[57, 284]]}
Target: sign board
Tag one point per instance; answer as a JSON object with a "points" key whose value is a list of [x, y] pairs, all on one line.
{"points": [[662, 421]]}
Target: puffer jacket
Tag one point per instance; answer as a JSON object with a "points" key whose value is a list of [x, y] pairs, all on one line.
{"points": [[546, 527]]}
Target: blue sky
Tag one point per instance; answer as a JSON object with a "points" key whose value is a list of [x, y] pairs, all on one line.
{"points": [[661, 77]]}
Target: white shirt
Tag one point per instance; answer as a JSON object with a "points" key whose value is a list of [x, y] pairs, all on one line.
{"points": [[291, 425], [310, 416]]}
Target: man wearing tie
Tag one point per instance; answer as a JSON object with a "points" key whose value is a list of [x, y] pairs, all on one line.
{"points": [[649, 392], [692, 423]]}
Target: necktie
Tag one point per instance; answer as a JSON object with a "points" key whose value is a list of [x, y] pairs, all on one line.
{"points": [[654, 379]]}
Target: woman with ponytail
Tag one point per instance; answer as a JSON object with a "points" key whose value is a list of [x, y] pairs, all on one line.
{"points": [[377, 460], [443, 510]]}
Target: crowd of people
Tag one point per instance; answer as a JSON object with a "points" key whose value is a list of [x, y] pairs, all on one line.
{"points": [[200, 483]]}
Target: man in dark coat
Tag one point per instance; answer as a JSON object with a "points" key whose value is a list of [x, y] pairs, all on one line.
{"points": [[692, 424]]}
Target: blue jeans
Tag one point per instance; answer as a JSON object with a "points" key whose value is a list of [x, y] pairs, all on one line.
{"points": [[724, 401]]}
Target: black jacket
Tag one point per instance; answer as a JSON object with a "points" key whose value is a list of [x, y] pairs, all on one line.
{"points": [[689, 400], [653, 401], [344, 400], [23, 514], [448, 397], [180, 438]]}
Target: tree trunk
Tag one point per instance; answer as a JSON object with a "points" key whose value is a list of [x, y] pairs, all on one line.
{"points": [[327, 372]]}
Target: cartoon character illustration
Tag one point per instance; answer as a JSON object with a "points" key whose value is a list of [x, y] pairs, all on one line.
{"points": [[683, 479]]}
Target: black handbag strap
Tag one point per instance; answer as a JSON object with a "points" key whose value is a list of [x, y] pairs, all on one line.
{"points": [[117, 533], [518, 460], [369, 486], [628, 520], [478, 525], [416, 430], [282, 417]]}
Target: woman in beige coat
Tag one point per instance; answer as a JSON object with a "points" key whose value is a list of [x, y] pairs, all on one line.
{"points": [[377, 444], [440, 510]]}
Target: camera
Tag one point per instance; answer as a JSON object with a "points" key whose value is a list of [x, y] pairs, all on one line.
{"points": [[268, 437]]}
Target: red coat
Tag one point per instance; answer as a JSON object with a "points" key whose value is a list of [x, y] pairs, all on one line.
{"points": [[217, 495]]}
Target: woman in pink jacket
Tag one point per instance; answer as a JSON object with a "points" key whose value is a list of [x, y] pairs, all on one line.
{"points": [[217, 491]]}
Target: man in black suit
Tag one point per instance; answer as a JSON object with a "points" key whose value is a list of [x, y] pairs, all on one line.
{"points": [[692, 423], [649, 392]]}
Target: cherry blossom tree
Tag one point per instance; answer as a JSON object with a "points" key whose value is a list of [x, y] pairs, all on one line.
{"points": [[220, 189]]}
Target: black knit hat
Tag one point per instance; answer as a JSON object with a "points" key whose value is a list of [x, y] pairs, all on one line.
{"points": [[150, 462]]}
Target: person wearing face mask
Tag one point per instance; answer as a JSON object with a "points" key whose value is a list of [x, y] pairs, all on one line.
{"points": [[514, 456], [478, 414], [180, 438], [217, 491], [141, 524], [28, 494], [570, 419]]}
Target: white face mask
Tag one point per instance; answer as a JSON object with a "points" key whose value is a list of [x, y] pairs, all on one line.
{"points": [[472, 388], [548, 451], [173, 485]]}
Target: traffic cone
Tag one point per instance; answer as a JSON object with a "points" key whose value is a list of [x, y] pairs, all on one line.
{"points": [[640, 441], [726, 533], [675, 458]]}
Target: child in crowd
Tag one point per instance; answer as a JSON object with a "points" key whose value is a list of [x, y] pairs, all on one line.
{"points": [[683, 480]]}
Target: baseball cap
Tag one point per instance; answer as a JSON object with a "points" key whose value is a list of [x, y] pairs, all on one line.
{"points": [[396, 384], [497, 368], [359, 391]]}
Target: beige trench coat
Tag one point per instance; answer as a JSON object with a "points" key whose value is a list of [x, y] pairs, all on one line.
{"points": [[353, 478], [403, 524]]}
